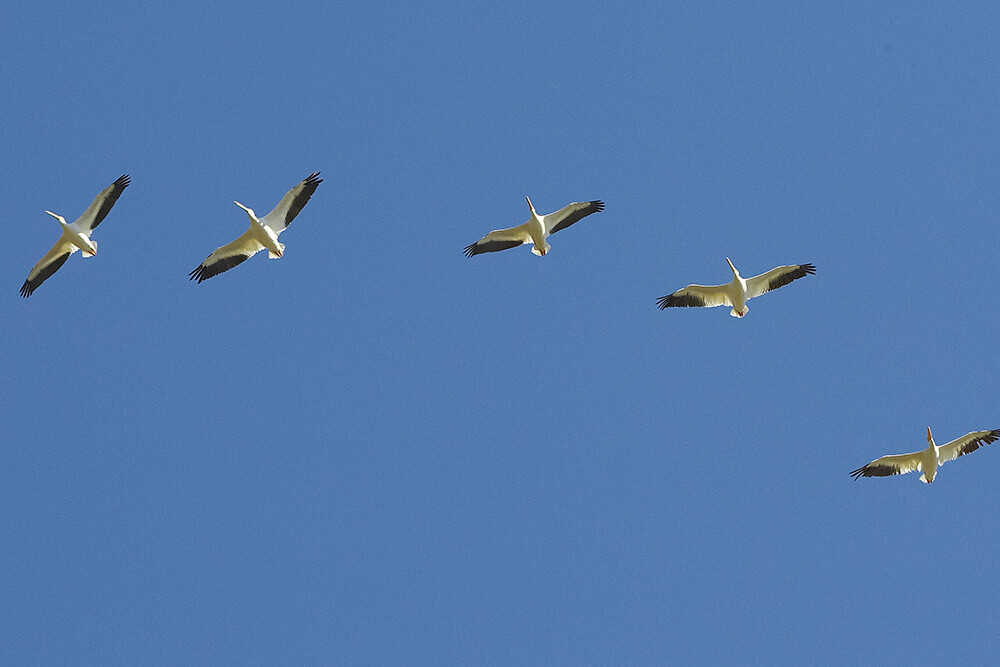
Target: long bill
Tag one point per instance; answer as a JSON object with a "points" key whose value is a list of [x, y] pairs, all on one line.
{"points": [[732, 268], [249, 211], [930, 438], [61, 220]]}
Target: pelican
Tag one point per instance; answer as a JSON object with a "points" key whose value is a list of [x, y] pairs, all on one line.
{"points": [[262, 233], [535, 230], [737, 292], [927, 461], [75, 236]]}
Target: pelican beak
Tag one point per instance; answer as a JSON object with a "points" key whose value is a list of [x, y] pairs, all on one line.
{"points": [[249, 212]]}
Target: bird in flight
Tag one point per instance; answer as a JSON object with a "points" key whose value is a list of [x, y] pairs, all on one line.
{"points": [[536, 230], [75, 236], [262, 233], [737, 292], [927, 461]]}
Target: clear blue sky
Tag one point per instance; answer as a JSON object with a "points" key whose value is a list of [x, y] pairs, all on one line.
{"points": [[376, 451]]}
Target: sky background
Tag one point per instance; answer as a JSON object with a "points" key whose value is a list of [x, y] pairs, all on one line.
{"points": [[376, 451]]}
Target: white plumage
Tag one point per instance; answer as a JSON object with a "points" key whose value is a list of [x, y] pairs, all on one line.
{"points": [[927, 461], [536, 230], [75, 236], [737, 292], [262, 233]]}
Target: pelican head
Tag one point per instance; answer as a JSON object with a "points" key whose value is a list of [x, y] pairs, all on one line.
{"points": [[59, 218], [253, 216], [736, 274], [930, 438], [531, 206]]}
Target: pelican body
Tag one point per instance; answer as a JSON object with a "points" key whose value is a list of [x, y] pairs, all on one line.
{"points": [[930, 459], [737, 292], [262, 233], [927, 461], [536, 230], [75, 236]]}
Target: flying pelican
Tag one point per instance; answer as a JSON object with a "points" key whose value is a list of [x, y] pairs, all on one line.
{"points": [[262, 233], [737, 292], [535, 230], [927, 461], [75, 236]]}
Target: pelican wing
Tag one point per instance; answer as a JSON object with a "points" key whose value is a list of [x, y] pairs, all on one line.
{"points": [[47, 265], [967, 444], [894, 464], [777, 277], [226, 257], [101, 205], [500, 239], [698, 296], [293, 202], [570, 214]]}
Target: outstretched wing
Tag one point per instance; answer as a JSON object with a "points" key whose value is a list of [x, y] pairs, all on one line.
{"points": [[290, 205], [777, 277], [570, 214], [967, 444], [500, 239], [696, 296], [894, 464], [102, 203], [226, 257], [47, 265]]}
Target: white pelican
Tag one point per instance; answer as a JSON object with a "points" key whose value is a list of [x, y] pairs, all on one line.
{"points": [[535, 230], [75, 236], [927, 461], [737, 292], [262, 233]]}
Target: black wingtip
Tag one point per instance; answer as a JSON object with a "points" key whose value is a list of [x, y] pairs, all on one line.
{"points": [[26, 289], [679, 301], [470, 250], [198, 273], [123, 181], [865, 471], [808, 268], [598, 205]]}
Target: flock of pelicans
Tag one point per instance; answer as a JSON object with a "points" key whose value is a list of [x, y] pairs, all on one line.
{"points": [[263, 235]]}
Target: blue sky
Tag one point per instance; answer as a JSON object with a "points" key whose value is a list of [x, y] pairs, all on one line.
{"points": [[376, 451]]}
